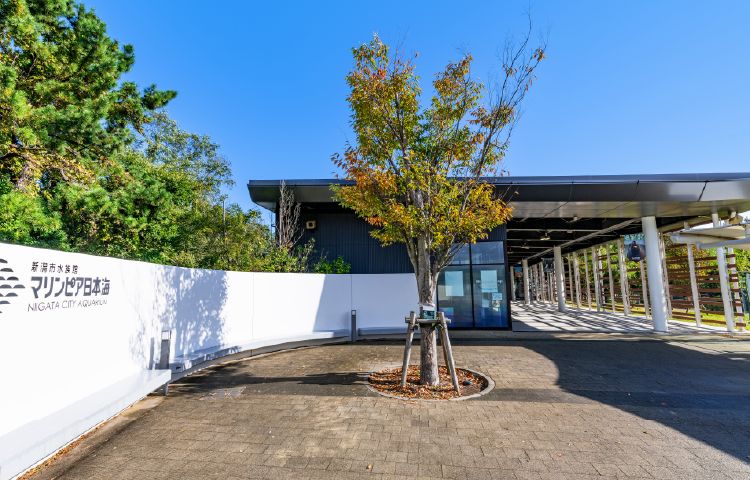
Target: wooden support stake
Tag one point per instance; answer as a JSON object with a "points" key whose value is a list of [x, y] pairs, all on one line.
{"points": [[693, 281], [411, 320], [448, 352]]}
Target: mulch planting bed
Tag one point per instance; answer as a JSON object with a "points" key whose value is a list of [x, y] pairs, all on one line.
{"points": [[389, 381]]}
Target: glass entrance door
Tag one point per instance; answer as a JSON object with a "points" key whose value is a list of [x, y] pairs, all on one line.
{"points": [[454, 295], [490, 306], [472, 291]]}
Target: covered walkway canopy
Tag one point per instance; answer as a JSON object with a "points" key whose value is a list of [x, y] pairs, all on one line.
{"points": [[565, 217]]}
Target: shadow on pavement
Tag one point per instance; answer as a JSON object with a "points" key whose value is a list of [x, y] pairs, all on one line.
{"points": [[704, 395]]}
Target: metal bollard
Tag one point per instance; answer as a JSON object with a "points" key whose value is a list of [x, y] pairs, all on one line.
{"points": [[166, 340], [354, 326]]}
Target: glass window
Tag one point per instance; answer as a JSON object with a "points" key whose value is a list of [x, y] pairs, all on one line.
{"points": [[490, 304], [461, 257], [483, 253], [472, 291], [454, 295]]}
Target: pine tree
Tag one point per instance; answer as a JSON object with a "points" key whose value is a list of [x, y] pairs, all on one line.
{"points": [[63, 109]]}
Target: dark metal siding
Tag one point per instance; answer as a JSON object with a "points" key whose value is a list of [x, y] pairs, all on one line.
{"points": [[348, 235]]}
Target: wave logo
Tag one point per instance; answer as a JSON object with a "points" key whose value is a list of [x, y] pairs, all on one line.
{"points": [[9, 284]]}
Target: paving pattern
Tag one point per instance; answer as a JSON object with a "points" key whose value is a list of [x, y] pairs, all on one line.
{"points": [[544, 317], [566, 406]]}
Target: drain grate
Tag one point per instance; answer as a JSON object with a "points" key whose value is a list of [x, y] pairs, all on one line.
{"points": [[222, 393]]}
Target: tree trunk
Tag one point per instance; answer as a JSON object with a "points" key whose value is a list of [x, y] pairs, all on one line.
{"points": [[428, 370], [419, 254]]}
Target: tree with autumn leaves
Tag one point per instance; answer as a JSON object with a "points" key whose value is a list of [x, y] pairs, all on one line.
{"points": [[423, 171]]}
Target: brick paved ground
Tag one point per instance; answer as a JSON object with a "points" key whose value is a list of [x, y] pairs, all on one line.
{"points": [[566, 406]]}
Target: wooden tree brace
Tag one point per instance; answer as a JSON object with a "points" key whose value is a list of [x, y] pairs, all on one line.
{"points": [[412, 321], [442, 325], [447, 351]]}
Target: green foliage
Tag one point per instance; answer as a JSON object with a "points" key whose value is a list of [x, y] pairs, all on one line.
{"points": [[292, 260], [743, 260], [158, 201], [27, 221], [336, 266], [88, 163], [64, 108]]}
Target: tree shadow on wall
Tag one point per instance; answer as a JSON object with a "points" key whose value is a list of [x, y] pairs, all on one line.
{"points": [[190, 303]]}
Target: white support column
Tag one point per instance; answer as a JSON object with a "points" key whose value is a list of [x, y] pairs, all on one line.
{"points": [[726, 298], [736, 297], [644, 288], [559, 280], [656, 286], [600, 269], [693, 280], [542, 284], [624, 283], [553, 285], [665, 274], [540, 275], [578, 279], [611, 280], [526, 296], [571, 281], [597, 290], [566, 278], [586, 271]]}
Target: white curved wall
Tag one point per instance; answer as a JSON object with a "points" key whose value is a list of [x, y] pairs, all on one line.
{"points": [[71, 345]]}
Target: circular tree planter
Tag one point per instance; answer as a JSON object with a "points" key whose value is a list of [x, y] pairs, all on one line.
{"points": [[387, 382]]}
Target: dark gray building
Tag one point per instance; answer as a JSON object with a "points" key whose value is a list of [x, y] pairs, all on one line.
{"points": [[569, 213]]}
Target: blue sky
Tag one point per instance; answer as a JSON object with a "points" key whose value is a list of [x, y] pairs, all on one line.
{"points": [[627, 87]]}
